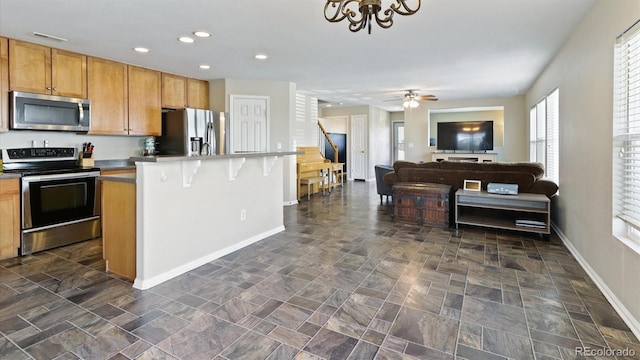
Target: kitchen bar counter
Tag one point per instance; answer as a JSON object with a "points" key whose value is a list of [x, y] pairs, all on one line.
{"points": [[165, 158], [191, 210]]}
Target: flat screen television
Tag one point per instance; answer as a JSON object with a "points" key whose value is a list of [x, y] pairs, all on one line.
{"points": [[465, 136]]}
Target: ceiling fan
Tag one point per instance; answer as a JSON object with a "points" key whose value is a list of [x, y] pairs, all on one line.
{"points": [[411, 98]]}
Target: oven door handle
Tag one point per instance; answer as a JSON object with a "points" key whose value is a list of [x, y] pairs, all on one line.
{"points": [[80, 175]]}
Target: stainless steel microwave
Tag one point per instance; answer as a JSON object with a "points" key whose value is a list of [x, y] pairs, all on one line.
{"points": [[48, 112]]}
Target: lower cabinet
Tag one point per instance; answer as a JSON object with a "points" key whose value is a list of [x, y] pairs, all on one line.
{"points": [[9, 218], [119, 227]]}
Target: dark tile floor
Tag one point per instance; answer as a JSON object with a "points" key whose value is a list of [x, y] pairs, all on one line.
{"points": [[342, 282]]}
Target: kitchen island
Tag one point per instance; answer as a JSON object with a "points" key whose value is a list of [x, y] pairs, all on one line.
{"points": [[191, 210]]}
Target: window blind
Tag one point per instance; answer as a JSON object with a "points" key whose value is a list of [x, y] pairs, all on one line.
{"points": [[544, 134], [533, 136], [627, 126], [541, 130], [552, 156]]}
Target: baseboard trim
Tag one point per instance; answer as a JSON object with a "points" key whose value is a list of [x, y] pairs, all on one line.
{"points": [[167, 275], [626, 316]]}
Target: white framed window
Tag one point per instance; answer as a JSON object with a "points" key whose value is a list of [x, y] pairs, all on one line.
{"points": [[544, 145], [626, 141]]}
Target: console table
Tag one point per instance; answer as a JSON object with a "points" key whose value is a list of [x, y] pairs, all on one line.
{"points": [[522, 212], [468, 157]]}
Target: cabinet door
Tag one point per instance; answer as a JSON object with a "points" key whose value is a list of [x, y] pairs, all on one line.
{"points": [[198, 93], [145, 109], [29, 67], [9, 218], [68, 74], [4, 84], [119, 227], [107, 90], [174, 91]]}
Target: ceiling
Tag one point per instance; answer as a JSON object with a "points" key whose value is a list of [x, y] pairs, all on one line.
{"points": [[453, 49]]}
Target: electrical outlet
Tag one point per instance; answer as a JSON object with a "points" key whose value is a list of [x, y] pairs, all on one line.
{"points": [[243, 214]]}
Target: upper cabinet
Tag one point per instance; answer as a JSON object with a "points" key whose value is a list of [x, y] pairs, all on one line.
{"points": [[40, 69], [181, 92], [125, 99], [108, 92], [198, 93], [174, 91], [4, 84], [145, 103]]}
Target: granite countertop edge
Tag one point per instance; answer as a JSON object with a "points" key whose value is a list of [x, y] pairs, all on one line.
{"points": [[9, 175], [128, 178]]}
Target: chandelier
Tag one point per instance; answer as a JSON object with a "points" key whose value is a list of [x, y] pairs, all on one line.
{"points": [[367, 11]]}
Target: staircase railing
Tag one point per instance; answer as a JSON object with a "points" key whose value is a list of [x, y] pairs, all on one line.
{"points": [[333, 146]]}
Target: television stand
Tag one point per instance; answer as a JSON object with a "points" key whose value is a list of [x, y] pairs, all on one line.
{"points": [[465, 157]]}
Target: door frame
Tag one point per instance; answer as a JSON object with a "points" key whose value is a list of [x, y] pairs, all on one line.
{"points": [[394, 148], [232, 100], [365, 141]]}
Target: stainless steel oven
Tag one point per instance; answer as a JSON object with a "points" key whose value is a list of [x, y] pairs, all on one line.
{"points": [[60, 199], [58, 209]]}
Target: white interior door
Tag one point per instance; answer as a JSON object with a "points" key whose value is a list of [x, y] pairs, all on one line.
{"points": [[249, 123], [358, 147]]}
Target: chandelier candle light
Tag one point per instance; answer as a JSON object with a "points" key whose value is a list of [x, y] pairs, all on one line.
{"points": [[361, 13]]}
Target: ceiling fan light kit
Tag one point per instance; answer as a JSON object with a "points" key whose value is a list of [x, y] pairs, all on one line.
{"points": [[411, 103], [362, 13], [412, 99]]}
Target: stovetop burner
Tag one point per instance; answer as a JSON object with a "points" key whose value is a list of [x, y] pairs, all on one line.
{"points": [[41, 161]]}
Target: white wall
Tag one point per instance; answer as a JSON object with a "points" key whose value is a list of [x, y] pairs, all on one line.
{"points": [[583, 71], [515, 127], [282, 97], [180, 228]]}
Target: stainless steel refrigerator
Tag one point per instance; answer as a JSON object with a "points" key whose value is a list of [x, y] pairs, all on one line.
{"points": [[194, 132]]}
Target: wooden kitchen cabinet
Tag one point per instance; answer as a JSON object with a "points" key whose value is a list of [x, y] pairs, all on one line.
{"points": [[43, 70], [174, 91], [181, 92], [4, 84], [9, 218], [108, 92], [119, 227], [145, 103], [198, 93]]}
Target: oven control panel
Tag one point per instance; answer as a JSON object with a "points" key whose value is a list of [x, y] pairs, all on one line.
{"points": [[40, 154]]}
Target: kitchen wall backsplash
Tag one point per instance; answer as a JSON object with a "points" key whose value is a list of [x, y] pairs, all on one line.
{"points": [[106, 147]]}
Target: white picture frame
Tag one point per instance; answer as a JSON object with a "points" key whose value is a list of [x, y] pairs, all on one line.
{"points": [[472, 185]]}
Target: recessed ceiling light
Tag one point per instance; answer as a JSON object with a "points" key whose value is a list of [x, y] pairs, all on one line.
{"points": [[202, 34], [328, 105], [204, 67], [186, 40], [141, 49], [261, 56]]}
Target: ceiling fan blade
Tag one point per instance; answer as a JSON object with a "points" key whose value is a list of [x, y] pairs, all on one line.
{"points": [[398, 99], [427, 97]]}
